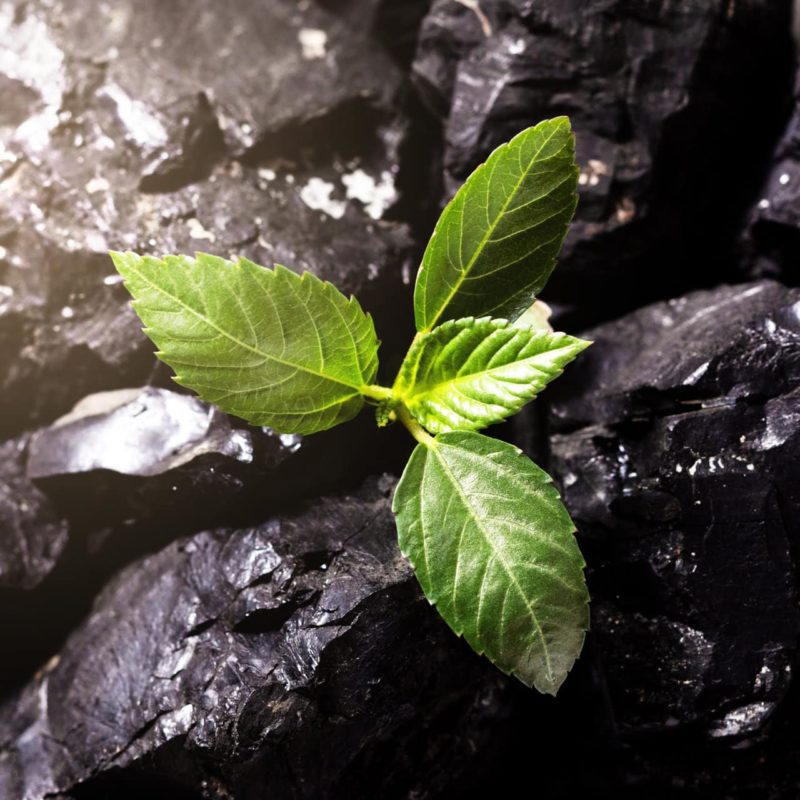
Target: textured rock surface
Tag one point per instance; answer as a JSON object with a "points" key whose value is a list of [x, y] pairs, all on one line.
{"points": [[145, 452], [678, 463], [394, 24], [293, 658], [209, 143], [32, 535], [664, 97]]}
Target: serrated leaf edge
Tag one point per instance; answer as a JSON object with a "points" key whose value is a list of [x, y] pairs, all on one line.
{"points": [[561, 120], [499, 324], [433, 600], [119, 259]]}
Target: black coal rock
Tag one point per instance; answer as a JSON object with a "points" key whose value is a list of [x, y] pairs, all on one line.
{"points": [[147, 452], [393, 24], [32, 535], [664, 98], [277, 136], [678, 461], [293, 659]]}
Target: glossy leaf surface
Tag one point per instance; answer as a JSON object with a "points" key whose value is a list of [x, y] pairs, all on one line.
{"points": [[467, 374]]}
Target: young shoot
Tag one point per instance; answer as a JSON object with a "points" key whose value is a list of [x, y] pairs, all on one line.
{"points": [[484, 528]]}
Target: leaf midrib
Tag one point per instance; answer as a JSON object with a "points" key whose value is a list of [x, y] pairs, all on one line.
{"points": [[495, 550], [267, 356], [490, 230], [432, 387]]}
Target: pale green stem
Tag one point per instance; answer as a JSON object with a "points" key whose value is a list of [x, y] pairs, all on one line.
{"points": [[375, 392], [414, 428]]}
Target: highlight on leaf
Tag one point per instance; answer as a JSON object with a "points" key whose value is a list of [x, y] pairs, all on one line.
{"points": [[467, 373]]}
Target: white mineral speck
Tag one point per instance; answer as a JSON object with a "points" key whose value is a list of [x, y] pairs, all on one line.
{"points": [[197, 231], [316, 194], [142, 126], [291, 441], [784, 179], [376, 196], [97, 185], [312, 42]]}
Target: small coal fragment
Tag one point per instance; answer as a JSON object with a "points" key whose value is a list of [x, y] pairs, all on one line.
{"points": [[677, 458], [223, 661], [142, 452], [664, 98], [32, 535]]}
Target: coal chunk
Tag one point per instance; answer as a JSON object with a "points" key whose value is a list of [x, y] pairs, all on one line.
{"points": [[677, 457], [279, 140], [146, 452], [290, 658], [395, 25], [32, 534], [663, 98]]}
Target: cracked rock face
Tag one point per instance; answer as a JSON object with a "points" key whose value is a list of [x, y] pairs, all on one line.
{"points": [[677, 458], [662, 96], [32, 535], [281, 143], [291, 658]]}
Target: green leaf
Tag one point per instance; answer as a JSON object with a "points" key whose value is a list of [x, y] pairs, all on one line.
{"points": [[467, 374], [495, 244], [270, 346], [493, 548]]}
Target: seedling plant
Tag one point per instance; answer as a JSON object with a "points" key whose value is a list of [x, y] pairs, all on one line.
{"points": [[484, 528]]}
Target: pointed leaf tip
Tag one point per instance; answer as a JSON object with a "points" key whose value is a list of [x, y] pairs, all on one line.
{"points": [[494, 549], [496, 242]]}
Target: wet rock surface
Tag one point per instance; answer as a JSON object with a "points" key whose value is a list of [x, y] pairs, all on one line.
{"points": [[662, 97], [284, 649], [289, 658], [141, 452], [678, 463]]}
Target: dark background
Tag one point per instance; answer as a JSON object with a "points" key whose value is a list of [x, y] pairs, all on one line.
{"points": [[193, 608]]}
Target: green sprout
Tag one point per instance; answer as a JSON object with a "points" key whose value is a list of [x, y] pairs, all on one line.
{"points": [[484, 528]]}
